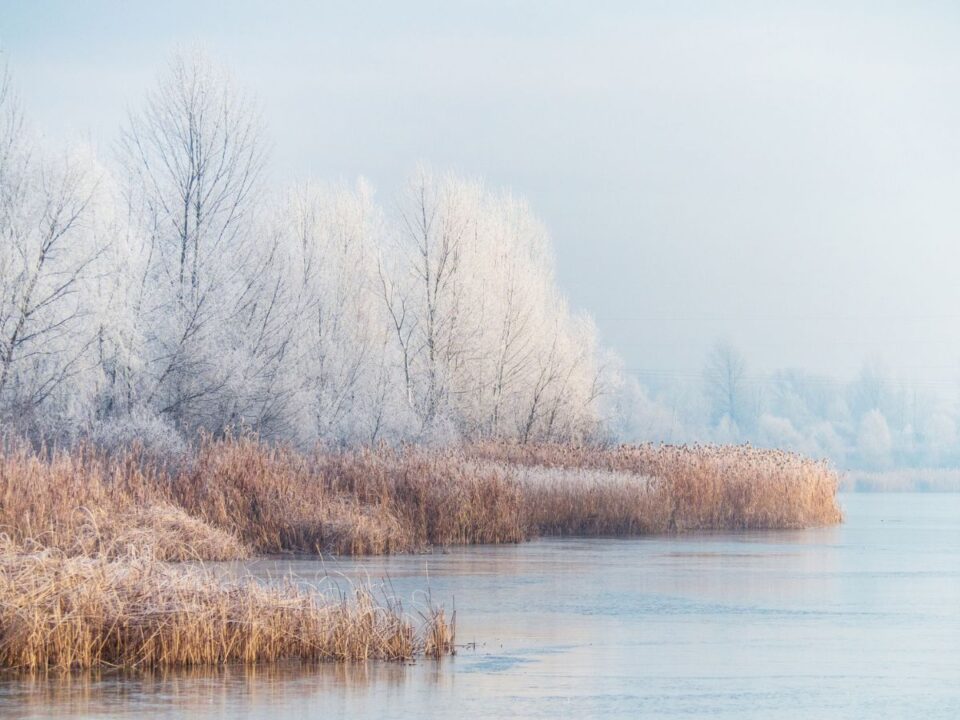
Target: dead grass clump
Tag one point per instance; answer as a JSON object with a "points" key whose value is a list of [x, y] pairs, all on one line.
{"points": [[268, 496], [564, 501], [352, 529], [83, 503], [438, 496], [162, 532], [440, 635], [60, 612], [703, 487]]}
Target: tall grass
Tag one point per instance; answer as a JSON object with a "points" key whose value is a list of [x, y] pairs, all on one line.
{"points": [[697, 487], [239, 495], [83, 503], [66, 612]]}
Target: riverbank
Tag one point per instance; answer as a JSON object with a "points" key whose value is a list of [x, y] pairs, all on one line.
{"points": [[88, 560]]}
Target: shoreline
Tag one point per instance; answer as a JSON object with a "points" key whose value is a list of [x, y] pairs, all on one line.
{"points": [[89, 573]]}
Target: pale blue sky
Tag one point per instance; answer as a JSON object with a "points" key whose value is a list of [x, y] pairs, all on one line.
{"points": [[788, 178]]}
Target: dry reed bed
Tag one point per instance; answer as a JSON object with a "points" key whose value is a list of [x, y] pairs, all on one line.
{"points": [[61, 612], [699, 487], [575, 501], [240, 495], [83, 582], [85, 504]]}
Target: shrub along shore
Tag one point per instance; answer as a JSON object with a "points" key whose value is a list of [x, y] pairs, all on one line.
{"points": [[88, 540]]}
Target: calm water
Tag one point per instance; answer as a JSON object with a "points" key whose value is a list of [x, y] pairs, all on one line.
{"points": [[859, 621]]}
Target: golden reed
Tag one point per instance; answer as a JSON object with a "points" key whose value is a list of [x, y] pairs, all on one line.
{"points": [[239, 495], [61, 612]]}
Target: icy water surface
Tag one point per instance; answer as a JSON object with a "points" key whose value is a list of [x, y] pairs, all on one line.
{"points": [[858, 621]]}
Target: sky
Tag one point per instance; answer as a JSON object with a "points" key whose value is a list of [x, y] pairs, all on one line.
{"points": [[785, 176]]}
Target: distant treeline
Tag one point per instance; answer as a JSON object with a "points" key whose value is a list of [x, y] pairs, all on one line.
{"points": [[870, 422]]}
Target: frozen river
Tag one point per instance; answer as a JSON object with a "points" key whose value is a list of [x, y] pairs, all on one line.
{"points": [[857, 621]]}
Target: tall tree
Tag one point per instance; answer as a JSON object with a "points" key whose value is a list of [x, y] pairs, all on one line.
{"points": [[423, 273], [194, 156], [340, 334]]}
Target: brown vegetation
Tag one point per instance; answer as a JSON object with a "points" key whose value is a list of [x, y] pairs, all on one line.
{"points": [[85, 503], [83, 582], [699, 487], [60, 612], [239, 494]]}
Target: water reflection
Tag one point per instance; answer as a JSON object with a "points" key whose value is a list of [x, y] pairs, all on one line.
{"points": [[202, 692], [856, 621]]}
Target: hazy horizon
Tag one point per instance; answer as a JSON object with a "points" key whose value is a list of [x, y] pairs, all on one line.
{"points": [[781, 178]]}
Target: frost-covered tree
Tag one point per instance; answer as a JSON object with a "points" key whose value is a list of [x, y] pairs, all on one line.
{"points": [[169, 294], [486, 344], [424, 272], [193, 156], [49, 251], [342, 352], [874, 440]]}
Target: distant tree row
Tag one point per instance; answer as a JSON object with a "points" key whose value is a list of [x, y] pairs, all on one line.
{"points": [[869, 422], [167, 289]]}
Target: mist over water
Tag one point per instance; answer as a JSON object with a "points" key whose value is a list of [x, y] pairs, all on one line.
{"points": [[844, 622]]}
